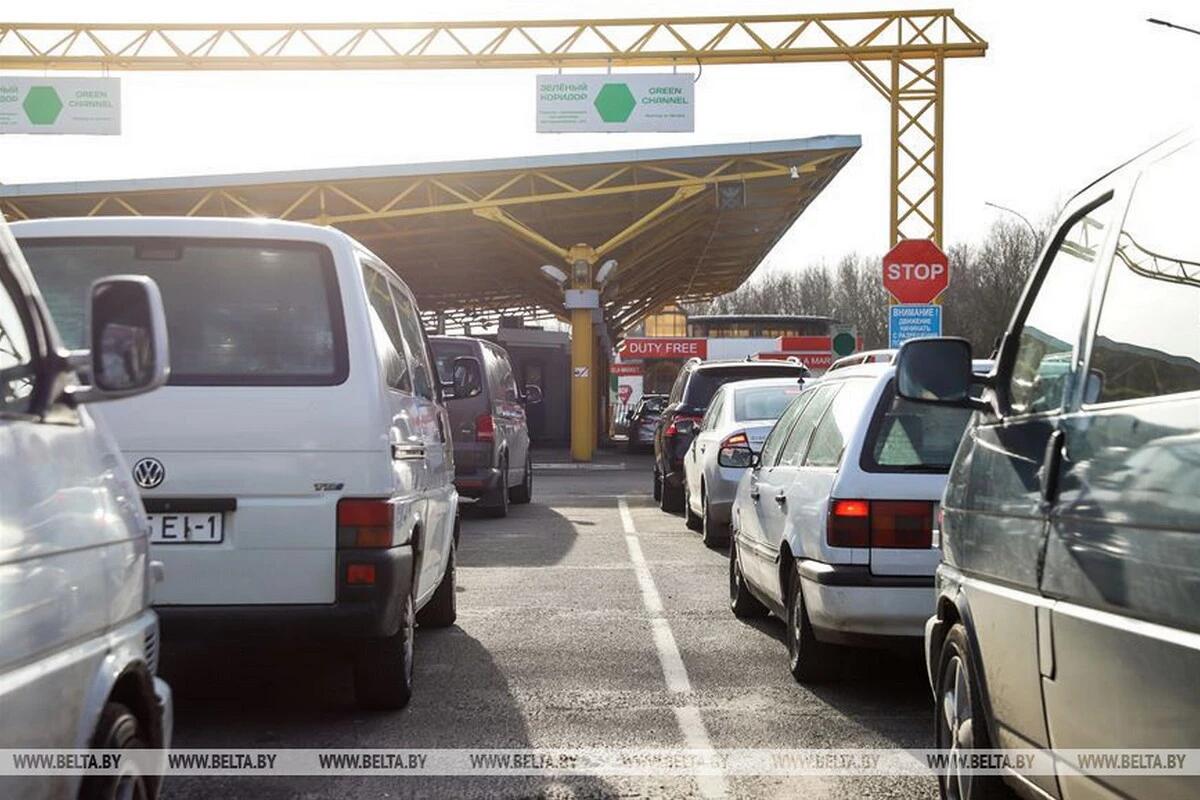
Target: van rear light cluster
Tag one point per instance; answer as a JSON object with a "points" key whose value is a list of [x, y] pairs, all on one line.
{"points": [[905, 524], [684, 423], [485, 428], [364, 523]]}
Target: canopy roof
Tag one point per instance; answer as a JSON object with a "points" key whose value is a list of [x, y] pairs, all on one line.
{"points": [[469, 236]]}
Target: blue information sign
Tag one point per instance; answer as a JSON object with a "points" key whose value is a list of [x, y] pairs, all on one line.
{"points": [[913, 322]]}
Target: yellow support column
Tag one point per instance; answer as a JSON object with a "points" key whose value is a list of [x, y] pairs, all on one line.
{"points": [[581, 298]]}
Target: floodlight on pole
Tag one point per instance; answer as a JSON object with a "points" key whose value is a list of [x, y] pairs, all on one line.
{"points": [[555, 274], [605, 272]]}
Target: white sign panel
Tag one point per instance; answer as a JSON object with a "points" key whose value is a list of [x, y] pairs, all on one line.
{"points": [[60, 105], [637, 102]]}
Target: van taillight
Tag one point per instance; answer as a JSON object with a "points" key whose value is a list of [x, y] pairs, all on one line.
{"points": [[364, 523], [485, 428], [906, 524]]}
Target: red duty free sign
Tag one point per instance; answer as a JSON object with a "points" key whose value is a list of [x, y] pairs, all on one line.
{"points": [[916, 271], [663, 347]]}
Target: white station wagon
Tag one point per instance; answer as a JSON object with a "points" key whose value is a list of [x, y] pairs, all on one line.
{"points": [[834, 526], [297, 466]]}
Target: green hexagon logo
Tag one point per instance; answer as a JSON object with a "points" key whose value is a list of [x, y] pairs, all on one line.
{"points": [[614, 102], [42, 105]]}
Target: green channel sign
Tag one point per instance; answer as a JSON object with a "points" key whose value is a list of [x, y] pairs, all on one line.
{"points": [[638, 102], [60, 105]]}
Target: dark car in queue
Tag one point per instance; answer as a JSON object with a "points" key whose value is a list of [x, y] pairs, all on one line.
{"points": [[1067, 614], [690, 395], [644, 420], [492, 462]]}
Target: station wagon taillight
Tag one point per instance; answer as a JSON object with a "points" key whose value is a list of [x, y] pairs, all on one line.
{"points": [[905, 524], [485, 428], [364, 523]]}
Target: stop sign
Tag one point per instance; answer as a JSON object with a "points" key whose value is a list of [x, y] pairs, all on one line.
{"points": [[915, 271]]}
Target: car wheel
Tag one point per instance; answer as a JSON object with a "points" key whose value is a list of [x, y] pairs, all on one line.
{"points": [[442, 608], [670, 497], [383, 668], [715, 534], [690, 518], [960, 721], [498, 507], [657, 486], [524, 492], [743, 604], [808, 658], [118, 729]]}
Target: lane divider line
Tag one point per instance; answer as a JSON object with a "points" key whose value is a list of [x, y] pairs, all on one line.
{"points": [[687, 715]]}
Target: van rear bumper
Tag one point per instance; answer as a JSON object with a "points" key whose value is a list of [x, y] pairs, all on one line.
{"points": [[359, 611], [477, 483]]}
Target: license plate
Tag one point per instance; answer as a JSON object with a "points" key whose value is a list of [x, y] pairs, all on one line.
{"points": [[196, 528]]}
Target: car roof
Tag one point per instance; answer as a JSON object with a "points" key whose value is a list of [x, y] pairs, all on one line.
{"points": [[759, 383], [767, 363], [201, 227]]}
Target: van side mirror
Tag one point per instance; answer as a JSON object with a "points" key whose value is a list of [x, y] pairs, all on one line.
{"points": [[936, 371], [466, 380], [533, 395], [127, 330]]}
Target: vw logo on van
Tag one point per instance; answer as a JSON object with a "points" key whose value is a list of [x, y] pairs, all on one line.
{"points": [[148, 473]]}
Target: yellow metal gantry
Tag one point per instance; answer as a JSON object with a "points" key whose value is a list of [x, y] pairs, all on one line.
{"points": [[901, 54]]}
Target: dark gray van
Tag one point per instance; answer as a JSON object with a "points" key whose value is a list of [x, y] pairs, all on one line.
{"points": [[1068, 598], [492, 462]]}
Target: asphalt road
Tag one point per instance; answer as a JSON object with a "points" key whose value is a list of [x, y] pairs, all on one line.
{"points": [[555, 646]]}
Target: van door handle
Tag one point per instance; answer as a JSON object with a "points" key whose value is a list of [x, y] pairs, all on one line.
{"points": [[1051, 465], [408, 452], [781, 498], [754, 493]]}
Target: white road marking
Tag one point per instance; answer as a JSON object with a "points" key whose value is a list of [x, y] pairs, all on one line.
{"points": [[687, 715]]}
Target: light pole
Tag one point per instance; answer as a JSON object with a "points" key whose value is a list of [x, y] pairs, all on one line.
{"points": [[1037, 237], [1165, 24]]}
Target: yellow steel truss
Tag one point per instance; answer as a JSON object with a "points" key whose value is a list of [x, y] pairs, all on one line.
{"points": [[901, 54]]}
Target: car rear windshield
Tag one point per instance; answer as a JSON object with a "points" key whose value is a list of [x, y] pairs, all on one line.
{"points": [[444, 353], [239, 312], [913, 437], [763, 402], [705, 382]]}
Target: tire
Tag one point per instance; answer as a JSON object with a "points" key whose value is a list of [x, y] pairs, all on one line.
{"points": [[714, 533], [960, 723], [657, 486], [690, 519], [442, 608], [524, 493], [383, 668], [670, 497], [743, 604], [118, 729], [498, 507], [808, 658]]}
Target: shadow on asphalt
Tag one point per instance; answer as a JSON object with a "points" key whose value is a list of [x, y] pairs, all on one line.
{"points": [[532, 535]]}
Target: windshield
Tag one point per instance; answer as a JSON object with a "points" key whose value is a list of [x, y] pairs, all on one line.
{"points": [[913, 437], [238, 312], [764, 402], [705, 382]]}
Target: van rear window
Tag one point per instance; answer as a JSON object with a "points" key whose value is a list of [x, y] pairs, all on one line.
{"points": [[239, 312], [913, 437]]}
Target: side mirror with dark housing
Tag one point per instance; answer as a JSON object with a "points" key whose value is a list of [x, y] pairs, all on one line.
{"points": [[128, 352], [738, 457], [466, 379], [533, 395], [937, 370]]}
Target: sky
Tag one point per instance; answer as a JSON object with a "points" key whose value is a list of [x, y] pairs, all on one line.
{"points": [[1067, 91]]}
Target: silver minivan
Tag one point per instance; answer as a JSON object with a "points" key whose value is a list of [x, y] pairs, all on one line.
{"points": [[78, 641]]}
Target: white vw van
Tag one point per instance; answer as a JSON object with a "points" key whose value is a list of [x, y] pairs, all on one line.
{"points": [[297, 467]]}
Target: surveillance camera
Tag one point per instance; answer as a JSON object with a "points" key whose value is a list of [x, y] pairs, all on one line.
{"points": [[555, 274]]}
